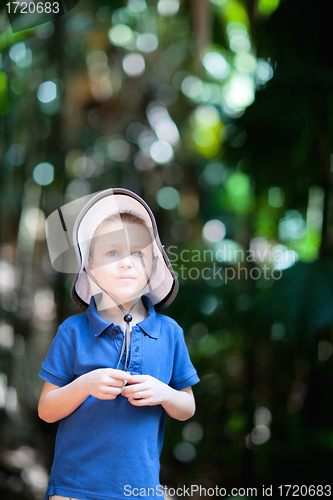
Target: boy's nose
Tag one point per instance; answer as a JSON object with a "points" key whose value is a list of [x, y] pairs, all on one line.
{"points": [[125, 261]]}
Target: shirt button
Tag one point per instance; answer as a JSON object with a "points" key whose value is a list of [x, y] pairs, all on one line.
{"points": [[114, 331]]}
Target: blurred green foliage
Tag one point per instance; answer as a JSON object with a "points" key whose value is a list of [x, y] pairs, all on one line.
{"points": [[219, 115]]}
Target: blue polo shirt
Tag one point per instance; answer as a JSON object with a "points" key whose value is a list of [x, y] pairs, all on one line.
{"points": [[110, 449]]}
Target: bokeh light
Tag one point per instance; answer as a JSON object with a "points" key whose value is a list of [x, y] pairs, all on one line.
{"points": [[282, 257], [15, 156], [260, 249], [147, 42], [9, 276], [325, 350], [146, 139], [81, 23], [192, 87], [278, 331], [136, 6], [314, 213], [264, 72], [214, 231], [214, 173], [239, 91], [134, 65], [193, 432], [292, 226], [121, 35], [119, 149], [168, 7], [167, 197], [238, 37], [96, 57], [229, 251], [32, 225], [267, 7], [234, 365], [161, 152], [43, 174], [184, 452], [143, 162], [47, 92], [21, 55], [44, 305], [208, 305], [262, 416], [216, 65], [206, 130], [207, 116], [77, 189], [239, 196], [160, 120], [134, 130], [6, 335], [275, 197], [245, 62], [260, 434]]}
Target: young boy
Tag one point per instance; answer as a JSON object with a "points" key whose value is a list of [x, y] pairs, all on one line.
{"points": [[111, 388]]}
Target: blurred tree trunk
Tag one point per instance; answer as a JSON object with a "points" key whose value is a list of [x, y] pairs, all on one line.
{"points": [[202, 27], [252, 10]]}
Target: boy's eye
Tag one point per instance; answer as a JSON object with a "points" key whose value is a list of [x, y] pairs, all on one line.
{"points": [[112, 253], [138, 253]]}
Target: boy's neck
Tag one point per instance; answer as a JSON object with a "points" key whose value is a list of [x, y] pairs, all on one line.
{"points": [[114, 315]]}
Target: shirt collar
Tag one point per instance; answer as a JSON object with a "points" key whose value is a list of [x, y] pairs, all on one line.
{"points": [[150, 325]]}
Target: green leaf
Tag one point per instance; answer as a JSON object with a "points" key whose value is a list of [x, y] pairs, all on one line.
{"points": [[8, 38]]}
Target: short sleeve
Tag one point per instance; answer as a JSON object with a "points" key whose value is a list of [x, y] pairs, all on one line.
{"points": [[184, 374], [58, 367]]}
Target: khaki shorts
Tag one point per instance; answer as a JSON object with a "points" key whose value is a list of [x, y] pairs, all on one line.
{"points": [[58, 497]]}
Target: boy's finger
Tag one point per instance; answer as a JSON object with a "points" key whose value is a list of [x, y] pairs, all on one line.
{"points": [[112, 391], [119, 374], [129, 390], [139, 395], [116, 383], [138, 402], [136, 379]]}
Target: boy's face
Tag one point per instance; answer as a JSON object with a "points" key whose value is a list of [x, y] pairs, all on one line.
{"points": [[121, 259]]}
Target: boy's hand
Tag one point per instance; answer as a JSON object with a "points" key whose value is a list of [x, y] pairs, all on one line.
{"points": [[105, 383], [146, 391]]}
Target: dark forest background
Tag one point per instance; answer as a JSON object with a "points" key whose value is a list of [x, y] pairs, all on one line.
{"points": [[219, 114]]}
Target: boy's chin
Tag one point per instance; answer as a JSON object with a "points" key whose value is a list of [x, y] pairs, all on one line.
{"points": [[121, 298]]}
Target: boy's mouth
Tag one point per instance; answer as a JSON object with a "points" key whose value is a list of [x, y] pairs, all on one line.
{"points": [[125, 277]]}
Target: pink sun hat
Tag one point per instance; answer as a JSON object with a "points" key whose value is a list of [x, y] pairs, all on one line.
{"points": [[71, 228]]}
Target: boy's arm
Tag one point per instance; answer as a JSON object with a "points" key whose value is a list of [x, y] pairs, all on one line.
{"points": [[57, 402], [145, 390], [181, 404]]}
